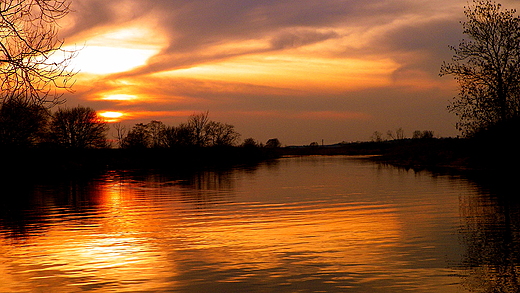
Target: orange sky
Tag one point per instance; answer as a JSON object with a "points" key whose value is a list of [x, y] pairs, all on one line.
{"points": [[298, 70]]}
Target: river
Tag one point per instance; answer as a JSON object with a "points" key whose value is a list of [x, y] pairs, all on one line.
{"points": [[299, 224]]}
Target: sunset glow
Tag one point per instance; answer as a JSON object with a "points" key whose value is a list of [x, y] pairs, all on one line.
{"points": [[379, 60], [119, 97], [107, 60], [111, 116]]}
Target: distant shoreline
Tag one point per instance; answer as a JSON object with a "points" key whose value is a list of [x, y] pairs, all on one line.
{"points": [[417, 154], [433, 153]]}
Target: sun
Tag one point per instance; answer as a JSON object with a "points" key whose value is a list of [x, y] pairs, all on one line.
{"points": [[111, 116]]}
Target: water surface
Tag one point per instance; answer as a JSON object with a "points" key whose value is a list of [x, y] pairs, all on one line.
{"points": [[304, 224]]}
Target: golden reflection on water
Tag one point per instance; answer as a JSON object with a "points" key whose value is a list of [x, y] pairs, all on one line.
{"points": [[109, 250], [267, 230]]}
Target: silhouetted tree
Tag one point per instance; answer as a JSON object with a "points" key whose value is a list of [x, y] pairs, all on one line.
{"points": [[137, 138], [198, 124], [377, 136], [22, 124], [486, 67], [211, 133], [220, 134], [29, 66], [250, 143], [199, 131], [120, 133], [156, 131], [425, 134], [78, 127], [181, 135], [273, 143], [399, 133]]}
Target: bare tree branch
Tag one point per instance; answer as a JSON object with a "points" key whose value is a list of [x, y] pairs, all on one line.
{"points": [[33, 64]]}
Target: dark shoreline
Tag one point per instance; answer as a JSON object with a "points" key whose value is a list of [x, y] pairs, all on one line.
{"points": [[67, 162], [451, 154]]}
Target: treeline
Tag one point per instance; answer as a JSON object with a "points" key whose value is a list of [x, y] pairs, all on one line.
{"points": [[399, 134], [198, 131], [24, 125]]}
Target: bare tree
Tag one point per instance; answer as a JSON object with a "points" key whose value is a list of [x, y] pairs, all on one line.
{"points": [[390, 134], [425, 134], [486, 67], [120, 133], [137, 138], [156, 130], [21, 124], [79, 127], [30, 68], [198, 124], [399, 133], [377, 137], [221, 134]]}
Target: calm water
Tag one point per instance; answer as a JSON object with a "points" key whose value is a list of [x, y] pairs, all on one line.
{"points": [[311, 224]]}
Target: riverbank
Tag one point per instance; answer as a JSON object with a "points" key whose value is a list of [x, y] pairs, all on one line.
{"points": [[417, 154], [41, 162], [434, 153]]}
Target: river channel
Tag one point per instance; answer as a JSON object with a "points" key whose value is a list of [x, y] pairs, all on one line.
{"points": [[299, 224]]}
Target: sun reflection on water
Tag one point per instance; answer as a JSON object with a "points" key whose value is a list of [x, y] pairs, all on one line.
{"points": [[265, 230]]}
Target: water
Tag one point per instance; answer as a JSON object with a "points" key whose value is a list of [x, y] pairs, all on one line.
{"points": [[309, 224]]}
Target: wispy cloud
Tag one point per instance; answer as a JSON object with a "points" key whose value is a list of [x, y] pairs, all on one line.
{"points": [[326, 59]]}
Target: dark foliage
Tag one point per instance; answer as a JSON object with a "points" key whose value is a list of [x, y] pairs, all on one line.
{"points": [[78, 127], [486, 67], [22, 124]]}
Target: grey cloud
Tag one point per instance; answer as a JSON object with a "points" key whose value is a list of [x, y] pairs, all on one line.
{"points": [[300, 38], [88, 15], [192, 26]]}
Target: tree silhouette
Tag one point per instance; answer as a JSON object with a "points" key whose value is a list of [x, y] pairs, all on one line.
{"points": [[181, 135], [79, 127], [22, 124], [198, 124], [137, 138], [30, 69], [221, 134], [250, 143], [486, 67], [273, 143]]}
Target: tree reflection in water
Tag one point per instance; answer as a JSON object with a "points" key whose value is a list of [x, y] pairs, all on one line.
{"points": [[491, 232], [30, 205]]}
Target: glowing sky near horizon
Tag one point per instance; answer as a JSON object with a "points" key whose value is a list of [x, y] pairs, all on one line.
{"points": [[298, 70]]}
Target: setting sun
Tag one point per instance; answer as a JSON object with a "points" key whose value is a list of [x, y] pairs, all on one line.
{"points": [[111, 116]]}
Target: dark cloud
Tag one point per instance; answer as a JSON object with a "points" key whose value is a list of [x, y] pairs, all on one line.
{"points": [[300, 38]]}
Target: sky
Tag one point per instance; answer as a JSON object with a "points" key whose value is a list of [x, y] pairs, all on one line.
{"points": [[301, 71]]}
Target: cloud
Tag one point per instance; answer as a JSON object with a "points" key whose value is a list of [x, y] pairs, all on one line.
{"points": [[193, 29], [367, 62]]}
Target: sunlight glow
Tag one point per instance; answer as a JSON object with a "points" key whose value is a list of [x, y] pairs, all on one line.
{"points": [[109, 114], [106, 60], [118, 50], [119, 97], [296, 72]]}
